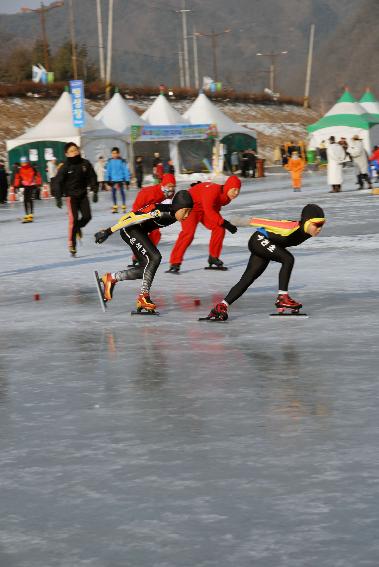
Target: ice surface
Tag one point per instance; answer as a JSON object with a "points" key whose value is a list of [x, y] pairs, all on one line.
{"points": [[166, 442]]}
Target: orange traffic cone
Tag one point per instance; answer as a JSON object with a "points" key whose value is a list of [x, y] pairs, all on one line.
{"points": [[12, 197], [45, 191]]}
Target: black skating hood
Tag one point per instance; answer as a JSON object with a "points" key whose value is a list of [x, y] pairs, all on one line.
{"points": [[181, 200], [311, 213]]}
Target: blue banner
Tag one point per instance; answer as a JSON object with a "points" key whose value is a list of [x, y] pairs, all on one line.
{"points": [[77, 95]]}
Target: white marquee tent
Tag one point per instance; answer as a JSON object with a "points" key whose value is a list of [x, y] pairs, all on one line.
{"points": [[55, 129]]}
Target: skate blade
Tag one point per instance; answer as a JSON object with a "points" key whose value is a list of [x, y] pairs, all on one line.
{"points": [[211, 320], [145, 313], [221, 269], [289, 315], [174, 273], [100, 291]]}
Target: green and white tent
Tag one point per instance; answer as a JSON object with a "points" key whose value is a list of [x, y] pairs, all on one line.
{"points": [[345, 119], [370, 104]]}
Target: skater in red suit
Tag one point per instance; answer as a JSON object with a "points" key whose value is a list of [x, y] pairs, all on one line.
{"points": [[153, 195], [208, 199], [29, 178], [270, 243]]}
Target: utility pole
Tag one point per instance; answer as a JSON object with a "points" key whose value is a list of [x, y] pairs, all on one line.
{"points": [[181, 71], [101, 40], [109, 52], [309, 67], [273, 57], [195, 60], [213, 35], [184, 11], [73, 40], [42, 11]]}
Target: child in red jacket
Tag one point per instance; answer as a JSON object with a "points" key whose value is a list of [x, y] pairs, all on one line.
{"points": [[29, 178]]}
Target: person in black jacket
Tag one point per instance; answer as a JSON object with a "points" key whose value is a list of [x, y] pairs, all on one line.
{"points": [[71, 181], [135, 228], [3, 184], [138, 167]]}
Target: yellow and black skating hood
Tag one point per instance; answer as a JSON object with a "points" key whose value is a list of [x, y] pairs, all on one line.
{"points": [[289, 232], [311, 214]]}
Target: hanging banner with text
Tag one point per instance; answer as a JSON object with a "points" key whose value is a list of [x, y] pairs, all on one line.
{"points": [[177, 132], [77, 95]]}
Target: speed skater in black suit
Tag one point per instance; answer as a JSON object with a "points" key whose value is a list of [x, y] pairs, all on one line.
{"points": [[135, 227], [270, 243]]}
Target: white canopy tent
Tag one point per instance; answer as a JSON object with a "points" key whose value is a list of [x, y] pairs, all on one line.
{"points": [[161, 113], [56, 129], [234, 136]]}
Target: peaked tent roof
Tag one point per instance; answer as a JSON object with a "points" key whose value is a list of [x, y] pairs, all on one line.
{"points": [[118, 115], [346, 112], [369, 103], [161, 113], [203, 111], [57, 126]]}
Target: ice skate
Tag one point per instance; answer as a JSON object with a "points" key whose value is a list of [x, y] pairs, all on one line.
{"points": [[285, 305], [173, 269], [215, 264], [26, 219], [114, 209], [100, 291], [144, 305], [218, 313], [123, 208], [72, 250], [108, 286]]}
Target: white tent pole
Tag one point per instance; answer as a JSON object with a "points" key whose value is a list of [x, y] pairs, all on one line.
{"points": [[109, 51]]}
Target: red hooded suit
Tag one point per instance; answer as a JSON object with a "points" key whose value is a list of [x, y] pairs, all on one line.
{"points": [[208, 198], [151, 196]]}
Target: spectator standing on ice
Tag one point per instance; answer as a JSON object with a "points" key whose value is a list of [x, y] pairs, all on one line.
{"points": [[234, 161], [72, 181], [252, 162], [295, 166], [3, 184], [116, 174], [100, 173], [29, 178], [336, 158], [156, 160], [170, 168], [51, 171], [360, 160], [138, 167]]}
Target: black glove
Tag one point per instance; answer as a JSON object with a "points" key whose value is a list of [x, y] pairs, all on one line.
{"points": [[95, 197], [59, 202], [102, 235], [229, 226]]}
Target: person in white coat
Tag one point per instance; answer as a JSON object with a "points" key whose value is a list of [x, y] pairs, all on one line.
{"points": [[336, 157], [360, 159], [100, 173]]}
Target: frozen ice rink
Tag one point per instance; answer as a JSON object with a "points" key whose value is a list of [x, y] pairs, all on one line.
{"points": [[165, 442]]}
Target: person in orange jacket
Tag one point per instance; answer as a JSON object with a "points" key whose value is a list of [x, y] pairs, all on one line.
{"points": [[152, 195], [208, 199], [295, 166], [29, 178]]}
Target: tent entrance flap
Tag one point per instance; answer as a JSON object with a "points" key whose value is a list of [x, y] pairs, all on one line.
{"points": [[237, 142], [196, 155], [38, 154]]}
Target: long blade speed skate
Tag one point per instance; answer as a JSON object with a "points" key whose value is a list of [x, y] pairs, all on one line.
{"points": [[100, 292], [144, 305], [287, 307]]}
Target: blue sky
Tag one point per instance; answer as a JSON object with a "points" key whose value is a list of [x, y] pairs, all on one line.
{"points": [[13, 6]]}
